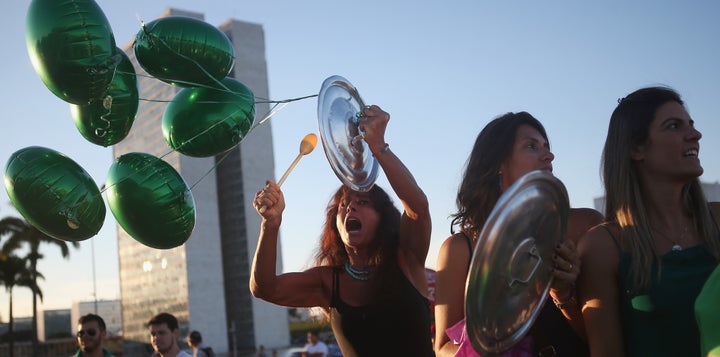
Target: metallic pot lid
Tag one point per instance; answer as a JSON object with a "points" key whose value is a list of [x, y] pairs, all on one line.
{"points": [[509, 276], [339, 111]]}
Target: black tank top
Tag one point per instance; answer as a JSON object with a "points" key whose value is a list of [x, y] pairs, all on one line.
{"points": [[398, 326]]}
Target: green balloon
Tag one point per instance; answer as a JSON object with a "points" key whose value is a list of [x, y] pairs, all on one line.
{"points": [[184, 51], [54, 194], [108, 121], [202, 122], [150, 200], [71, 47]]}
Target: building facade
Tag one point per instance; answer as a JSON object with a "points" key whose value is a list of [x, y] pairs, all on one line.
{"points": [[109, 310], [204, 282], [53, 324]]}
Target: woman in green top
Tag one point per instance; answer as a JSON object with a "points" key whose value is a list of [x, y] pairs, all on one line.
{"points": [[643, 269]]}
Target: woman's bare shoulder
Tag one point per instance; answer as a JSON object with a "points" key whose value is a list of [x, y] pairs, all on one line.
{"points": [[322, 273], [455, 248], [580, 221], [600, 238], [455, 243], [589, 216]]}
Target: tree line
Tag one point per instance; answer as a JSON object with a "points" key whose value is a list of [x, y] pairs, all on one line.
{"points": [[20, 244]]}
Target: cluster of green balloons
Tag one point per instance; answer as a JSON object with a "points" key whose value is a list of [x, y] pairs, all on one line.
{"points": [[73, 50], [213, 112]]}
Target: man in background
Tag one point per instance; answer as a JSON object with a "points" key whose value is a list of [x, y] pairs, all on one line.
{"points": [[164, 332], [91, 337], [315, 347]]}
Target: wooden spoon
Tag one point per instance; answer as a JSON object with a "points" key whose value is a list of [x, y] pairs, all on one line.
{"points": [[307, 145]]}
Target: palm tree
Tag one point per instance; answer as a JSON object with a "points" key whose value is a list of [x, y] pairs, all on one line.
{"points": [[23, 232], [10, 226], [15, 271]]}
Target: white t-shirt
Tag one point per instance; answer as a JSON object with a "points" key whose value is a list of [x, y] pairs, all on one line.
{"points": [[319, 347], [180, 354]]}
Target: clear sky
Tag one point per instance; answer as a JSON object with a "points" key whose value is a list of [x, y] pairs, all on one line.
{"points": [[442, 69]]}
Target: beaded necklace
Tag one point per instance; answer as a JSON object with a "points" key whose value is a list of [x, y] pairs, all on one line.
{"points": [[357, 274]]}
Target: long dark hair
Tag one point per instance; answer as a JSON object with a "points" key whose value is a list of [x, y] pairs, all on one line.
{"points": [[383, 250], [629, 127], [332, 252], [480, 188]]}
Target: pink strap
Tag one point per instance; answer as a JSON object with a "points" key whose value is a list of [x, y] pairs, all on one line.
{"points": [[458, 335]]}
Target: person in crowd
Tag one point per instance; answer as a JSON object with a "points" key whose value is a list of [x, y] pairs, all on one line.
{"points": [[164, 332], [644, 268], [333, 348], [200, 348], [507, 148], [369, 273], [314, 347], [91, 335], [261, 351]]}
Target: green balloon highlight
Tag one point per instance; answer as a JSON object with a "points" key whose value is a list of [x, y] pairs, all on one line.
{"points": [[54, 194], [202, 122], [150, 200], [108, 121], [71, 47], [184, 51]]}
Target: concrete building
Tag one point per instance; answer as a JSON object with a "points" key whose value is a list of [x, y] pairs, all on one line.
{"points": [[204, 282], [53, 324], [109, 310]]}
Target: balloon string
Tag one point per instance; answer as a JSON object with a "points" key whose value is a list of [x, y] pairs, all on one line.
{"points": [[107, 103], [275, 109], [263, 100], [217, 163], [206, 130], [272, 112], [104, 118], [258, 100], [279, 105]]}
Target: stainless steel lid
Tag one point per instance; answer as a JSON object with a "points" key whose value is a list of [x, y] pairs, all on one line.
{"points": [[509, 276], [339, 111]]}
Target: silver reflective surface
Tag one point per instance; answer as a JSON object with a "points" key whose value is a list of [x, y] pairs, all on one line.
{"points": [[509, 277], [339, 111]]}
